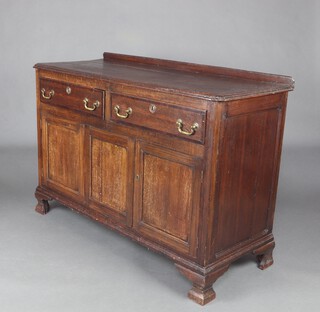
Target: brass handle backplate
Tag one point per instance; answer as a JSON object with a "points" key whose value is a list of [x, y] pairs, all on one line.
{"points": [[49, 96], [192, 131], [128, 112], [95, 105]]}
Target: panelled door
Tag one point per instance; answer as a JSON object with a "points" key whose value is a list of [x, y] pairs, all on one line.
{"points": [[62, 156], [110, 174], [167, 196]]}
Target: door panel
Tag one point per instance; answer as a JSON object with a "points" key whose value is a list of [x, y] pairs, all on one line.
{"points": [[111, 174], [168, 197], [62, 144], [157, 192]]}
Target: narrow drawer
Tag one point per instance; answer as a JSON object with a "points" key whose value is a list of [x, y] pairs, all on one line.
{"points": [[183, 122], [72, 96]]}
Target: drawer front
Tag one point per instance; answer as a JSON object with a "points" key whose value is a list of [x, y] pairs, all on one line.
{"points": [[72, 96], [183, 122]]}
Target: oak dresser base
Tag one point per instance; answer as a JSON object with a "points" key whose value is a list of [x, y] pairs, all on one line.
{"points": [[181, 158]]}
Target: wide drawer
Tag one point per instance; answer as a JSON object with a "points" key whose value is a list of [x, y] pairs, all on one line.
{"points": [[72, 96], [183, 122]]}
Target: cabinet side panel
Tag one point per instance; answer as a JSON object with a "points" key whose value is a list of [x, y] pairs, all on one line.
{"points": [[39, 131], [248, 175]]}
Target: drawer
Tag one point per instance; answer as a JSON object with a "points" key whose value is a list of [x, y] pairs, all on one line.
{"points": [[72, 96], [183, 122]]}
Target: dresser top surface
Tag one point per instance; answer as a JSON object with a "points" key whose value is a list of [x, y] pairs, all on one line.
{"points": [[211, 82]]}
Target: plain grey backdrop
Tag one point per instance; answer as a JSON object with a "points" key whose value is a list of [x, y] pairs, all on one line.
{"points": [[65, 262]]}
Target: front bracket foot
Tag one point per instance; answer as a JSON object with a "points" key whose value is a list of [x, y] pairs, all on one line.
{"points": [[43, 201], [202, 291], [200, 295], [42, 207]]}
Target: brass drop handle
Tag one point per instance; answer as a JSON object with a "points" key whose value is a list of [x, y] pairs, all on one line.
{"points": [[128, 112], [194, 127], [49, 96], [95, 105]]}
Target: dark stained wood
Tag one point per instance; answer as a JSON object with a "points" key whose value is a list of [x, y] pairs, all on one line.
{"points": [[202, 291], [62, 142], [42, 207], [236, 108], [110, 175], [264, 255], [209, 82], [246, 172], [167, 197], [191, 67], [203, 200], [74, 99], [158, 116]]}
